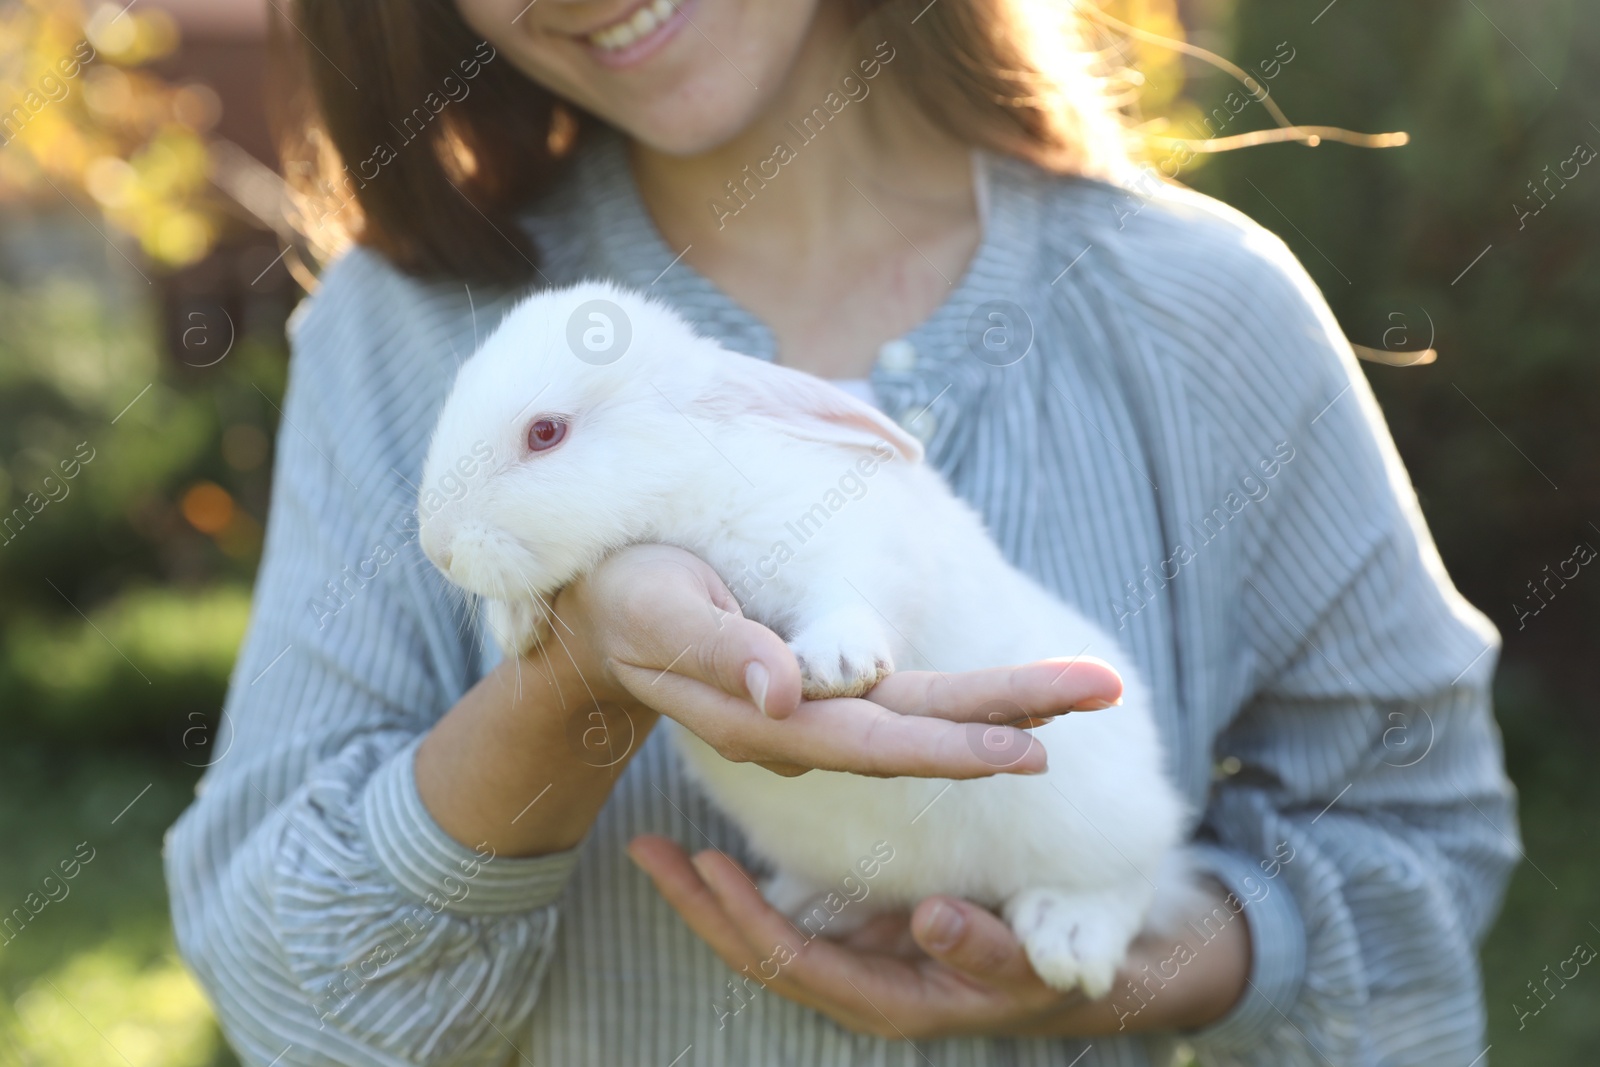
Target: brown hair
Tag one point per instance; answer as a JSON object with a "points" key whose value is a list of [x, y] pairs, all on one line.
{"points": [[383, 151]]}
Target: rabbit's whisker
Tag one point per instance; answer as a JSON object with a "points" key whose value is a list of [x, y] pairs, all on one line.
{"points": [[501, 594], [544, 605]]}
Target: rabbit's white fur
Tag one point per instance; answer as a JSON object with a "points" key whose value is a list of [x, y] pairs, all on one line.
{"points": [[764, 472]]}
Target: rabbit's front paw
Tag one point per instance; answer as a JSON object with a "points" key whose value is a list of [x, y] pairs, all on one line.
{"points": [[841, 655], [516, 627], [1075, 939]]}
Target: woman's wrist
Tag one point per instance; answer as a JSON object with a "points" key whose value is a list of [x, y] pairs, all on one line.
{"points": [[571, 653], [526, 758]]}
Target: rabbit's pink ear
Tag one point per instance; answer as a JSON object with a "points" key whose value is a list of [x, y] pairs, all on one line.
{"points": [[802, 405]]}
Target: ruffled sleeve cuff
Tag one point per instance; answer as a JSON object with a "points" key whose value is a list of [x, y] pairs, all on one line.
{"points": [[1277, 952], [432, 866]]}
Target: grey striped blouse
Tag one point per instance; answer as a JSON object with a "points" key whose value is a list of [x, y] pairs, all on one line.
{"points": [[1148, 400]]}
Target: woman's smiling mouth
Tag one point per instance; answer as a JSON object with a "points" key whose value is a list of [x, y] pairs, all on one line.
{"points": [[638, 34]]}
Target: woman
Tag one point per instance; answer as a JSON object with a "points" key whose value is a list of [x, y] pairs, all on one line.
{"points": [[414, 854]]}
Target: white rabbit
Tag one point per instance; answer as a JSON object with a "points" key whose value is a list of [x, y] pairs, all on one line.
{"points": [[610, 422]]}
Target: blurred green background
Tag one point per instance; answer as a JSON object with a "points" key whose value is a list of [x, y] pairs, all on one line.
{"points": [[141, 319]]}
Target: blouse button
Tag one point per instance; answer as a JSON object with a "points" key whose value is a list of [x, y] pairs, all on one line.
{"points": [[897, 356], [919, 424]]}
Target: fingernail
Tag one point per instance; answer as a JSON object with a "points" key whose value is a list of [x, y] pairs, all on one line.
{"points": [[943, 926], [1097, 704], [1044, 764], [755, 683], [702, 868]]}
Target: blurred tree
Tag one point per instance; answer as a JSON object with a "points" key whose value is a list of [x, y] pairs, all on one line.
{"points": [[132, 484], [1478, 239], [79, 119], [1469, 240]]}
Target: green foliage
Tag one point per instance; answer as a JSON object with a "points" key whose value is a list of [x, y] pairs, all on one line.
{"points": [[1506, 414], [119, 617], [158, 650], [1553, 904]]}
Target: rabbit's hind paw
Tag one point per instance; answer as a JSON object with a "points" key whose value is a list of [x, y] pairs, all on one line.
{"points": [[1074, 939]]}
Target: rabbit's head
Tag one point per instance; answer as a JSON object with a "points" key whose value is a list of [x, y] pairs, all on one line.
{"points": [[588, 414]]}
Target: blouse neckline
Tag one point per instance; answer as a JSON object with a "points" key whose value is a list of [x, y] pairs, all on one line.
{"points": [[639, 255]]}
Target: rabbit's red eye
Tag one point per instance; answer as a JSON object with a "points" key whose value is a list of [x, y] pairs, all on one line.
{"points": [[545, 434]]}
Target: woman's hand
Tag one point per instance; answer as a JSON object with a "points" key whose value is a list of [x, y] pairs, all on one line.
{"points": [[524, 761], [949, 969], [654, 627]]}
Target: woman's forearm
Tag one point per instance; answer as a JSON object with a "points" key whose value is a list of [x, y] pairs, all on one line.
{"points": [[525, 760]]}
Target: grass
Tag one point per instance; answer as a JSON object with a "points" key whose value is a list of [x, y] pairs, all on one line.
{"points": [[93, 978], [1553, 903]]}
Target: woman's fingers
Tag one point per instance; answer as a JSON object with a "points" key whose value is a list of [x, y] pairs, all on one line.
{"points": [[888, 934], [974, 974], [680, 884], [666, 611], [867, 988], [686, 886], [1003, 695], [785, 770], [974, 941], [856, 736], [804, 966], [730, 653], [860, 736]]}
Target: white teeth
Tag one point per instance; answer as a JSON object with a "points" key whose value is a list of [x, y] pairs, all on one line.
{"points": [[643, 22]]}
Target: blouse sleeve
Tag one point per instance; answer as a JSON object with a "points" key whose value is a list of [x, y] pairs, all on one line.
{"points": [[326, 914], [1369, 828]]}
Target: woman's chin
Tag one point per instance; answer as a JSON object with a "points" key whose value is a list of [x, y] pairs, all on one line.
{"points": [[678, 123], [685, 144]]}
